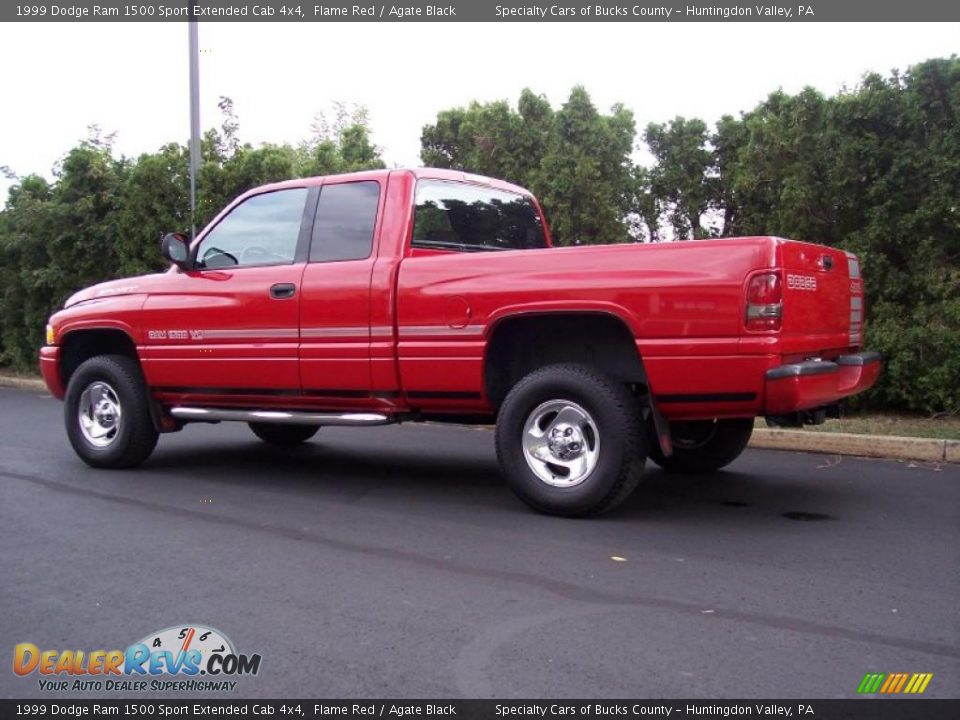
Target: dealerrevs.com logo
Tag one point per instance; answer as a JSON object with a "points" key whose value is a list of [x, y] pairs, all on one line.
{"points": [[178, 658]]}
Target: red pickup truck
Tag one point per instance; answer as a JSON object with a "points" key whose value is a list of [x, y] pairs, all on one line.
{"points": [[399, 295]]}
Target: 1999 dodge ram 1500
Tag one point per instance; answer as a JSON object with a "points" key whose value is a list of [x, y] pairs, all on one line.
{"points": [[395, 295]]}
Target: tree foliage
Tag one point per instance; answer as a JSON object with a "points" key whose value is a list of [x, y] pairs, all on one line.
{"points": [[575, 159], [681, 179]]}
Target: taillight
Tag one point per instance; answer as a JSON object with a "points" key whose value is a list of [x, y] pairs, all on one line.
{"points": [[764, 302]]}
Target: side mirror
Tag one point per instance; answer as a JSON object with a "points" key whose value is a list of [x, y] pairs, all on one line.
{"points": [[176, 249]]}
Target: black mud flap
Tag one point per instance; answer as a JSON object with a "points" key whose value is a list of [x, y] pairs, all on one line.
{"points": [[661, 429]]}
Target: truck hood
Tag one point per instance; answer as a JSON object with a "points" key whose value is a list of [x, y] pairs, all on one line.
{"points": [[138, 285]]}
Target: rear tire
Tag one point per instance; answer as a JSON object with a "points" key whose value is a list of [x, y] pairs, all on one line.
{"points": [[701, 446], [107, 413], [569, 441], [283, 435]]}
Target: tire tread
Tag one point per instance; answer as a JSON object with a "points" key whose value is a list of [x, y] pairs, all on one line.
{"points": [[727, 445]]}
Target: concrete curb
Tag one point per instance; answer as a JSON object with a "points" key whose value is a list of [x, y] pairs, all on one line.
{"points": [[951, 453], [878, 446], [22, 383]]}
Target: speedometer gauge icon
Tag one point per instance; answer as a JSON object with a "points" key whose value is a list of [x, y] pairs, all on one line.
{"points": [[181, 639]]}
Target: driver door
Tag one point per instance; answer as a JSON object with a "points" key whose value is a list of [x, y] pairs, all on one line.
{"points": [[230, 327]]}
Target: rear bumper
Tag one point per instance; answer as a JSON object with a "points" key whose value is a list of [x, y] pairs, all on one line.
{"points": [[50, 369], [814, 383]]}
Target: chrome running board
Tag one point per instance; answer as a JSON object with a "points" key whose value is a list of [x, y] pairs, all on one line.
{"points": [[278, 417]]}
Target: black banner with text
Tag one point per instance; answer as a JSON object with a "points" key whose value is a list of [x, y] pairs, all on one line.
{"points": [[877, 709], [485, 11]]}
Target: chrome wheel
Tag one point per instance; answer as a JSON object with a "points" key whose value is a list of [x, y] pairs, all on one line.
{"points": [[99, 414], [561, 443]]}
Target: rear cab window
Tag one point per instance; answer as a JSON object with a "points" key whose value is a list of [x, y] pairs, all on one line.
{"points": [[345, 222], [459, 217]]}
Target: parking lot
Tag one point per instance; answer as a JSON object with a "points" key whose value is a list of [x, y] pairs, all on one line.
{"points": [[394, 562]]}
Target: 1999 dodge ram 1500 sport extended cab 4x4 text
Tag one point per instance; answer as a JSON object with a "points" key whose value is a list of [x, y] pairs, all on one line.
{"points": [[395, 295]]}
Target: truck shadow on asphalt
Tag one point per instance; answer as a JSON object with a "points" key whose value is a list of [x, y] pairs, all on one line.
{"points": [[470, 477]]}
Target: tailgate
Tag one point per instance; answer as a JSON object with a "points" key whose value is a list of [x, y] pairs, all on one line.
{"points": [[823, 307]]}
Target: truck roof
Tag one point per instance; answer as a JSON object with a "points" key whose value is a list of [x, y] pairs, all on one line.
{"points": [[418, 173]]}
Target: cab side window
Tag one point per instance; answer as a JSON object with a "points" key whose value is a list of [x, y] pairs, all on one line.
{"points": [[262, 230], [474, 218], [345, 222]]}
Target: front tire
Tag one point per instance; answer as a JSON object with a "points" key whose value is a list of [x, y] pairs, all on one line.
{"points": [[569, 441], [283, 435], [702, 446], [107, 413]]}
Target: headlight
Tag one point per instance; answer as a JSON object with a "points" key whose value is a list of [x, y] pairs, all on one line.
{"points": [[51, 335]]}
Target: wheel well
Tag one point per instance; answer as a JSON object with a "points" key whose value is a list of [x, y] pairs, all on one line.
{"points": [[520, 345], [81, 345]]}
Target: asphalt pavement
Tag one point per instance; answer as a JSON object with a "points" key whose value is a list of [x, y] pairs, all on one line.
{"points": [[394, 562]]}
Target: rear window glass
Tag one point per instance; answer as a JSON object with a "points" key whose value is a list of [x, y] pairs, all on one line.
{"points": [[346, 218], [473, 218]]}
